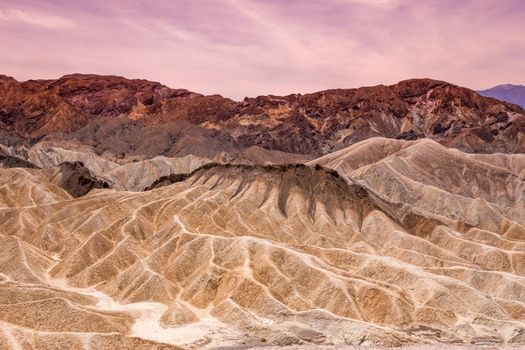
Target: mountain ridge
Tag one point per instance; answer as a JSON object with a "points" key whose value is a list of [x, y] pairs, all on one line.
{"points": [[76, 107], [507, 92]]}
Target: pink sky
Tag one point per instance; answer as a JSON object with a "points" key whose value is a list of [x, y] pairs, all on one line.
{"points": [[243, 48]]}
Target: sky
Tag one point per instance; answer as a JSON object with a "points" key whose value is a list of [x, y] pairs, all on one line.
{"points": [[240, 48]]}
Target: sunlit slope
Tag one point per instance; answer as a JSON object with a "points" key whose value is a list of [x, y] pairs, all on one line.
{"points": [[408, 242]]}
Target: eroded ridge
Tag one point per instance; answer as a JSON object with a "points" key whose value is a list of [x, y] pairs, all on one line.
{"points": [[377, 252]]}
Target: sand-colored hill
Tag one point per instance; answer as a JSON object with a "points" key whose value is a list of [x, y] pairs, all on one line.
{"points": [[131, 173], [403, 242]]}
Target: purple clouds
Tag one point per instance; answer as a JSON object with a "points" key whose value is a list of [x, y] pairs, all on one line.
{"points": [[250, 47]]}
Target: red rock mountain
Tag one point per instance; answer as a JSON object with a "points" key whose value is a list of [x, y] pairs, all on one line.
{"points": [[113, 114]]}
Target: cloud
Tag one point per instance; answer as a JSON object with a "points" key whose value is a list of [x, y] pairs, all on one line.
{"points": [[249, 47], [35, 18]]}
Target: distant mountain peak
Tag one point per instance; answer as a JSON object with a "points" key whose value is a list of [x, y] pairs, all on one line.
{"points": [[507, 86], [507, 92]]}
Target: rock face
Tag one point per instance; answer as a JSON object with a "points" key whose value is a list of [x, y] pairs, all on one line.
{"points": [[507, 92], [40, 107], [387, 242], [114, 114], [76, 179], [8, 161]]}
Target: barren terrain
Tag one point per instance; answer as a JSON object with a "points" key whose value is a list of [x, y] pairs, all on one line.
{"points": [[375, 252], [134, 216]]}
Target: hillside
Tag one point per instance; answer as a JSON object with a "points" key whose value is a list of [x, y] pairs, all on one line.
{"points": [[118, 116], [403, 242]]}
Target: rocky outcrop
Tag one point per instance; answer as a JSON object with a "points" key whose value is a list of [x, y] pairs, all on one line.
{"points": [[36, 108], [8, 161], [76, 179]]}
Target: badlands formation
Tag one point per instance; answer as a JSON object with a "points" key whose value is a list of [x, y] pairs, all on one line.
{"points": [[134, 216]]}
